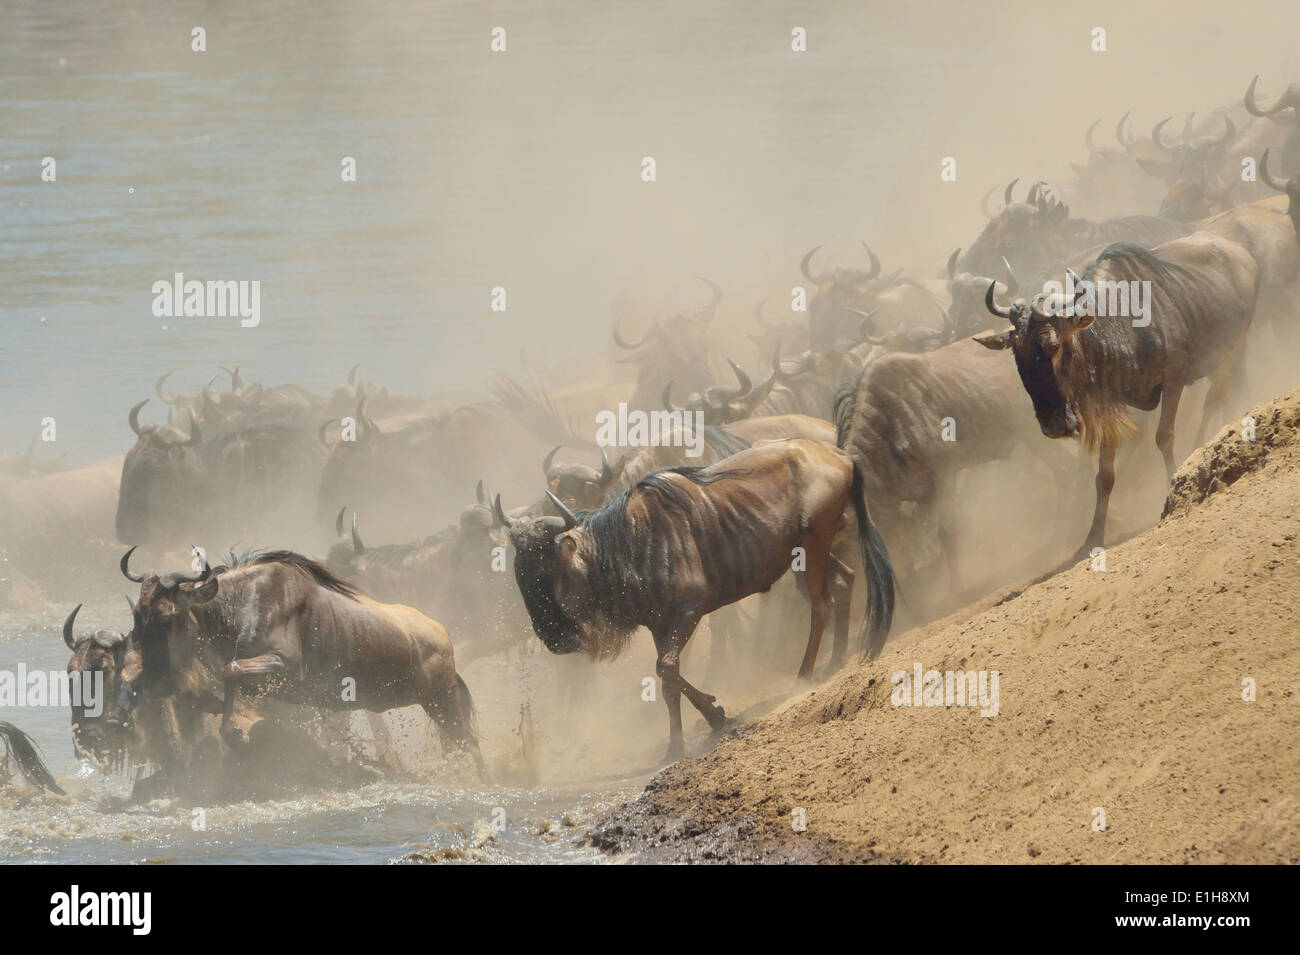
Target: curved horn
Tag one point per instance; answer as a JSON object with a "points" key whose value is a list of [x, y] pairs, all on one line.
{"points": [[169, 397], [1035, 195], [758, 314], [712, 308], [320, 433], [806, 365], [205, 571], [133, 417], [195, 434], [949, 326], [1278, 184], [546, 461], [746, 386], [1006, 194], [621, 342], [1008, 313], [126, 570], [209, 396], [1120, 138], [499, 518], [806, 263], [1229, 131], [875, 262], [570, 521], [338, 522], [952, 264], [358, 548], [606, 471], [1087, 137], [1252, 106], [1013, 285], [480, 496], [868, 322], [67, 629], [984, 203], [1155, 134]]}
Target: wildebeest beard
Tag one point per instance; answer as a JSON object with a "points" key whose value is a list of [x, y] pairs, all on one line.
{"points": [[536, 556], [622, 569]]}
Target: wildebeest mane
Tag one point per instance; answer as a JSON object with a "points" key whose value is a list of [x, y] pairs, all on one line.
{"points": [[722, 442], [312, 568], [1111, 348]]}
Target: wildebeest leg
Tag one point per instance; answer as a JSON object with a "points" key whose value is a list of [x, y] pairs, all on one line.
{"points": [[1105, 481], [237, 672], [841, 582], [668, 645], [452, 710], [1165, 429], [815, 576], [1226, 378]]}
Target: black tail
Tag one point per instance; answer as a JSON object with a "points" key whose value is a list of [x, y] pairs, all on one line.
{"points": [[28, 756], [880, 575], [467, 710]]}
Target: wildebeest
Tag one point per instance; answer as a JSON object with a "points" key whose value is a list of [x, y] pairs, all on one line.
{"points": [[176, 486], [840, 296], [286, 623], [686, 541], [179, 735], [1290, 99], [453, 576], [895, 422], [677, 349], [1082, 370], [1036, 235]]}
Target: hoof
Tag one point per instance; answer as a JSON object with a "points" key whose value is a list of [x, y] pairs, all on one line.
{"points": [[717, 718], [675, 752]]}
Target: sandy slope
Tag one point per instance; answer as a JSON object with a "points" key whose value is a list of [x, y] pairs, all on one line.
{"points": [[1119, 689]]}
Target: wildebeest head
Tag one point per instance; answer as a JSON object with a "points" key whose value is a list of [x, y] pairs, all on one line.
{"points": [[1041, 338], [791, 335], [677, 347], [578, 485], [1194, 198], [721, 405], [1290, 186], [162, 618], [102, 736], [1191, 153], [162, 475], [1027, 234], [1288, 100], [967, 311], [554, 574], [837, 295]]}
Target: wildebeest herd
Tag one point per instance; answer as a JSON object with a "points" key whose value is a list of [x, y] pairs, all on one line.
{"points": [[831, 468]]}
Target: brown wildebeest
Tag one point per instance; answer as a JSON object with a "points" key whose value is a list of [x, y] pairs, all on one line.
{"points": [[892, 423], [179, 736], [288, 623], [1082, 370], [174, 734], [684, 542]]}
